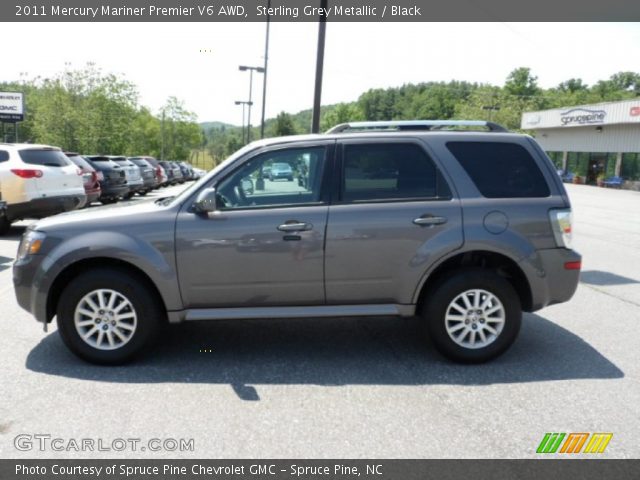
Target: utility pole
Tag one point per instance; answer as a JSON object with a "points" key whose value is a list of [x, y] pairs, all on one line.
{"points": [[322, 26], [162, 137], [264, 78]]}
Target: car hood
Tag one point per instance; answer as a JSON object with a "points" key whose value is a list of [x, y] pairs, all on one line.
{"points": [[101, 217]]}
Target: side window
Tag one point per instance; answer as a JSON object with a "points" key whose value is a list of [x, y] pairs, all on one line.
{"points": [[387, 171], [500, 169], [284, 177], [4, 155]]}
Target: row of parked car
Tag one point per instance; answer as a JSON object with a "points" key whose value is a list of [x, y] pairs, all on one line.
{"points": [[108, 178], [39, 180]]}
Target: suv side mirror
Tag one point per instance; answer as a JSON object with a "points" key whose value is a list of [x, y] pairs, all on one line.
{"points": [[206, 201]]}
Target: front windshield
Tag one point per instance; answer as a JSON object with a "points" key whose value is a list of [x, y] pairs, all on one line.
{"points": [[186, 193]]}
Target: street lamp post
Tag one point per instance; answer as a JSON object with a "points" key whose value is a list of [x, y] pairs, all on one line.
{"points": [[264, 76], [243, 103], [244, 68]]}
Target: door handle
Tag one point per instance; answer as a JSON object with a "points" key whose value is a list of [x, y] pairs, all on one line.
{"points": [[429, 220], [295, 227]]}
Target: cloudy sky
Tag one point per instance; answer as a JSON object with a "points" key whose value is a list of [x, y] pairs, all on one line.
{"points": [[198, 62]]}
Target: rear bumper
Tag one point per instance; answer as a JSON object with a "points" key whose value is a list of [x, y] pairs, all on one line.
{"points": [[550, 280], [45, 207], [113, 191], [135, 185], [149, 183]]}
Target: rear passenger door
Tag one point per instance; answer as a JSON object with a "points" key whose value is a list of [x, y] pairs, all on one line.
{"points": [[393, 214]]}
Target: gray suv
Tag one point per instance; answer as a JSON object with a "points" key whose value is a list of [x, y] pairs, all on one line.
{"points": [[465, 229]]}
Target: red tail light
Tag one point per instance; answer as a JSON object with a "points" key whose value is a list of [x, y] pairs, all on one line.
{"points": [[27, 172], [573, 265]]}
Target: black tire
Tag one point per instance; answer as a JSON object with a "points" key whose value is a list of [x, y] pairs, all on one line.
{"points": [[438, 300], [129, 195], [5, 225], [142, 193], [108, 201], [146, 306]]}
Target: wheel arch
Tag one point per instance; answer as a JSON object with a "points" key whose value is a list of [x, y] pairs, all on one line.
{"points": [[80, 266], [497, 262]]}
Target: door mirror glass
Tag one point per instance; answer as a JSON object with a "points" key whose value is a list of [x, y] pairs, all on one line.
{"points": [[206, 201]]}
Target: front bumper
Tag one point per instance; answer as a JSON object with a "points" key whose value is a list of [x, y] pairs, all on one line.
{"points": [[24, 271]]}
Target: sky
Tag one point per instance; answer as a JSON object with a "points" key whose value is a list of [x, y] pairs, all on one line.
{"points": [[198, 62]]}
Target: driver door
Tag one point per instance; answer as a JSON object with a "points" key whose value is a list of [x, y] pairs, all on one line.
{"points": [[265, 245]]}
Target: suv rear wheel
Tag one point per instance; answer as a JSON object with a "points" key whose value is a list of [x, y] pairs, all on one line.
{"points": [[107, 316], [472, 315]]}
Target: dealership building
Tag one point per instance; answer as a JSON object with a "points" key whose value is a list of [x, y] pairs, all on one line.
{"points": [[591, 141]]}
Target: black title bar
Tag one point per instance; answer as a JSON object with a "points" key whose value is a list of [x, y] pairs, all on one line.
{"points": [[319, 469], [310, 11]]}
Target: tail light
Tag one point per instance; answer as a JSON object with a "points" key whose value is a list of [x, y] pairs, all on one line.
{"points": [[100, 176], [27, 172], [561, 223]]}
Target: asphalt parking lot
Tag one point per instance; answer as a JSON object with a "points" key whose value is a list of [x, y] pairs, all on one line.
{"points": [[350, 387]]}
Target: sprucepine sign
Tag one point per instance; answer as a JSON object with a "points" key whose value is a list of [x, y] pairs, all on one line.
{"points": [[11, 106]]}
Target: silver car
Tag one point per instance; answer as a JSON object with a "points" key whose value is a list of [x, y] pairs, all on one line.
{"points": [[464, 229]]}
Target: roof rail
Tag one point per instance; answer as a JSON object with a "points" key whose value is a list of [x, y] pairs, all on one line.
{"points": [[404, 125]]}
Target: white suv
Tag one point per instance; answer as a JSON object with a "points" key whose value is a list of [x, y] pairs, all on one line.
{"points": [[37, 181]]}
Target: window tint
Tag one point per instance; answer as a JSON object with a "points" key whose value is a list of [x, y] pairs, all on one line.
{"points": [[49, 158], [4, 156], [388, 171], [141, 162], [254, 184], [500, 170], [81, 162]]}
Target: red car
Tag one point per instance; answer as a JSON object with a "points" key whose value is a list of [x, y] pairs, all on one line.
{"points": [[89, 175]]}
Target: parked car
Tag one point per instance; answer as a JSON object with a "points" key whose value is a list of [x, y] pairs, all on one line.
{"points": [[566, 176], [613, 182], [161, 176], [187, 170], [177, 172], [198, 173], [112, 178], [148, 172], [89, 175], [37, 181], [133, 174], [173, 171], [474, 230], [169, 171], [281, 170]]}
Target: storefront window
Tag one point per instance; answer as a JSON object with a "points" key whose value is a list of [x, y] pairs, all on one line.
{"points": [[610, 168], [578, 163], [630, 166], [556, 158]]}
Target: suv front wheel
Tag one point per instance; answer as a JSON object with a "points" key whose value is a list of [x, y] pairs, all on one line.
{"points": [[107, 316], [472, 315]]}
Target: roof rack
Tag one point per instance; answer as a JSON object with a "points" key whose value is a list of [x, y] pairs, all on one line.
{"points": [[404, 125]]}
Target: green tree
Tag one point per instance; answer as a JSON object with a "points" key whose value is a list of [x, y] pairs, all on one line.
{"points": [[283, 125], [521, 83]]}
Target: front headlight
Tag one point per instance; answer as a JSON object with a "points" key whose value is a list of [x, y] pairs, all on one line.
{"points": [[30, 244]]}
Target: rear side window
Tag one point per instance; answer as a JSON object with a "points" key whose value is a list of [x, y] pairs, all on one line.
{"points": [[4, 156], [140, 162], [81, 162], [49, 158], [500, 169], [387, 171]]}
